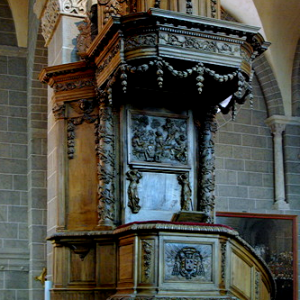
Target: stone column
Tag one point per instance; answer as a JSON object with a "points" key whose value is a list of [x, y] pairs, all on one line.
{"points": [[277, 127]]}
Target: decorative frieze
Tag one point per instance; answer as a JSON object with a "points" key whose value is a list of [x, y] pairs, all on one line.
{"points": [[199, 44], [69, 86]]}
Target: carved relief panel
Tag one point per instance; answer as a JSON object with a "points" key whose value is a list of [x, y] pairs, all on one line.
{"points": [[158, 153]]}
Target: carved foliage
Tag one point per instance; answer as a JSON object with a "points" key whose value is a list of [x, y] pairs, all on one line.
{"points": [[159, 139], [223, 261], [186, 192], [68, 86], [147, 258], [207, 166], [134, 177], [85, 106], [105, 151]]}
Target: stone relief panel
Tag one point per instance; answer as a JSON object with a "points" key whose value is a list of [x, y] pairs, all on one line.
{"points": [[158, 139], [185, 262]]}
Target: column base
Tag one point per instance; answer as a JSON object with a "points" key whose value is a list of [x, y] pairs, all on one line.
{"points": [[281, 205]]}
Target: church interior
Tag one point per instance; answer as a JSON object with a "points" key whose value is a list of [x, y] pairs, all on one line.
{"points": [[149, 149]]}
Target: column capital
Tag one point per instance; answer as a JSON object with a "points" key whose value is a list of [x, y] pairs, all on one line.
{"points": [[50, 11]]}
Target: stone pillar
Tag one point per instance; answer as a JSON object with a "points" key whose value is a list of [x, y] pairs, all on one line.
{"points": [[277, 127]]}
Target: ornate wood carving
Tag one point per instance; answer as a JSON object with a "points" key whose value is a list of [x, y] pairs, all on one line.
{"points": [[59, 110], [189, 7], [147, 258], [134, 177], [84, 107], [113, 8], [159, 139], [84, 39], [223, 262], [186, 192], [207, 165], [106, 168]]}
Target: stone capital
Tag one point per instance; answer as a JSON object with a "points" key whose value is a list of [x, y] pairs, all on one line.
{"points": [[50, 11]]}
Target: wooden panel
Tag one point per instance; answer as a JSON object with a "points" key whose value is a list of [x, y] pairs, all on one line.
{"points": [[61, 261], [265, 295], [82, 271], [126, 263], [82, 178], [106, 264], [241, 275]]}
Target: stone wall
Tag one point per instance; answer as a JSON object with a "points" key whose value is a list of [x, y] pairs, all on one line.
{"points": [[13, 162], [244, 158]]}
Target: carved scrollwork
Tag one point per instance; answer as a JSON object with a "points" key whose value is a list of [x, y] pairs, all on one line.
{"points": [[159, 139], [76, 7], [186, 192], [134, 177], [85, 107], [68, 86]]}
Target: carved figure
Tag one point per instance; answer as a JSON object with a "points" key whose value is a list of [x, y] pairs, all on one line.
{"points": [[134, 177], [188, 263], [84, 38], [186, 192], [158, 139]]}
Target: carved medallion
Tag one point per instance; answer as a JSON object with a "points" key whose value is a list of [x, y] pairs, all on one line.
{"points": [[192, 262], [158, 139], [188, 263]]}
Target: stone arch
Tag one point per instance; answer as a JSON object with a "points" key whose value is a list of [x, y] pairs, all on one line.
{"points": [[8, 33], [269, 86], [261, 66], [296, 83]]}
